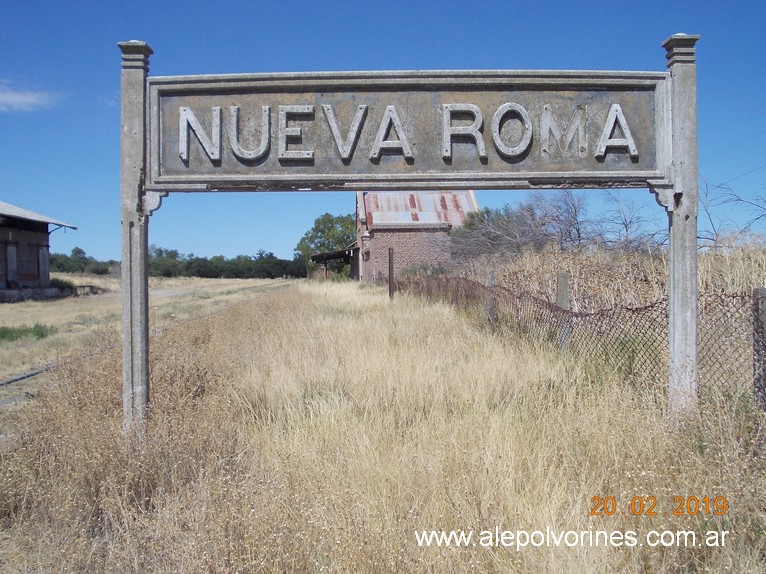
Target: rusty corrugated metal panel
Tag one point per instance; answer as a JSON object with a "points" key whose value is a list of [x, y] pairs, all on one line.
{"points": [[419, 207], [407, 217]]}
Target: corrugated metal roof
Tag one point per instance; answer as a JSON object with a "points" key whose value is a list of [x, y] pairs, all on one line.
{"points": [[8, 210], [417, 207]]}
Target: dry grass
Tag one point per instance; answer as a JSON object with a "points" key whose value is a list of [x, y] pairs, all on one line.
{"points": [[604, 279], [78, 321], [315, 429], [736, 269]]}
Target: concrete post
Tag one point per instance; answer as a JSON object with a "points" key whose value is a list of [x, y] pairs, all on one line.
{"points": [[490, 300], [682, 215], [759, 346], [134, 220], [562, 290], [562, 302], [391, 278]]}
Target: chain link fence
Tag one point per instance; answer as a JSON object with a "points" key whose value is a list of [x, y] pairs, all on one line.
{"points": [[632, 342]]}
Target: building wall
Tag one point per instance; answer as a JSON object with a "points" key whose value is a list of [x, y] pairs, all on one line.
{"points": [[24, 260], [412, 246]]}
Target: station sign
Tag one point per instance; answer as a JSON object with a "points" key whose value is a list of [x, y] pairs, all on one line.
{"points": [[413, 130]]}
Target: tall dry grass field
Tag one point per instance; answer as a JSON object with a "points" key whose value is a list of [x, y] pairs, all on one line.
{"points": [[605, 278], [319, 428], [75, 322]]}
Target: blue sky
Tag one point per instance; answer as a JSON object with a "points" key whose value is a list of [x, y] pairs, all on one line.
{"points": [[60, 82]]}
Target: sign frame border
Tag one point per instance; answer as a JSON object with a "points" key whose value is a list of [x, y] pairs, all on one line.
{"points": [[410, 81]]}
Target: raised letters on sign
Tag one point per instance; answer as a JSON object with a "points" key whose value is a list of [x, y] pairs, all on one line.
{"points": [[413, 131], [294, 119]]}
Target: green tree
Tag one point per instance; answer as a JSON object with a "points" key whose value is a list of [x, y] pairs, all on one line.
{"points": [[79, 259], [295, 268], [165, 262], [329, 233], [202, 267], [62, 263], [76, 262]]}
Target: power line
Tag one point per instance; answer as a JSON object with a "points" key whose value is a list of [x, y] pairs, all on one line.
{"points": [[744, 174], [731, 147]]}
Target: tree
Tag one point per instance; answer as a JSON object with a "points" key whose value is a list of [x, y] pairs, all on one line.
{"points": [[202, 267], [564, 216], [624, 225], [489, 231], [170, 263], [76, 262], [165, 262], [79, 259], [329, 233], [720, 233]]}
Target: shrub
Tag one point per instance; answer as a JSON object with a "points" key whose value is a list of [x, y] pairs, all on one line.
{"points": [[36, 331], [62, 285]]}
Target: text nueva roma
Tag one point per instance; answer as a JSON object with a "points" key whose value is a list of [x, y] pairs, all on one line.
{"points": [[464, 122]]}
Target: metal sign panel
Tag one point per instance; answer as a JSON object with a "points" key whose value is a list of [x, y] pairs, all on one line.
{"points": [[413, 130]]}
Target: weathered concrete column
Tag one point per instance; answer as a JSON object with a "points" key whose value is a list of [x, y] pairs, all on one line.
{"points": [[135, 220], [489, 303], [682, 215], [391, 279]]}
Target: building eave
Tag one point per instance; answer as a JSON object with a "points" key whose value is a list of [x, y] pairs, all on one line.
{"points": [[413, 226], [11, 211]]}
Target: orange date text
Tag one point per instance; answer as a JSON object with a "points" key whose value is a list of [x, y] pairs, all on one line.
{"points": [[648, 506]]}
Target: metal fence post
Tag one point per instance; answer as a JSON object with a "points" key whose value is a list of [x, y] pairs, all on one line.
{"points": [[759, 346]]}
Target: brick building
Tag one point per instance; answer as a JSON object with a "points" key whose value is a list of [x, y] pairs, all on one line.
{"points": [[417, 225]]}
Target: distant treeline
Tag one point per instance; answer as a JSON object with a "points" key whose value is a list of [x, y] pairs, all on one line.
{"points": [[170, 263]]}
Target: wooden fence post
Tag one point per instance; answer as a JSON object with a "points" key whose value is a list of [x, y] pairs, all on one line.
{"points": [[759, 346]]}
